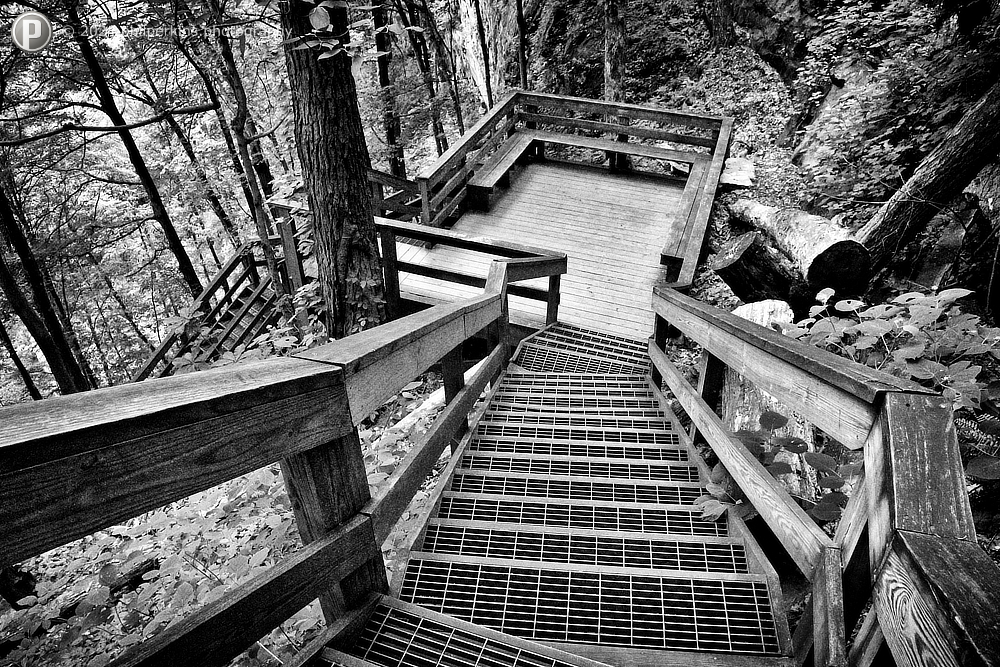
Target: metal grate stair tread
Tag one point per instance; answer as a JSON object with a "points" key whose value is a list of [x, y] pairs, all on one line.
{"points": [[575, 489], [579, 449]]}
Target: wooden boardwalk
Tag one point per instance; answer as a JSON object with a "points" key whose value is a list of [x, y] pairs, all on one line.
{"points": [[613, 228]]}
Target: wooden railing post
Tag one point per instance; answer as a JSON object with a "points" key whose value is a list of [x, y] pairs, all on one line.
{"points": [[378, 199], [936, 593], [293, 262], [660, 328], [328, 486], [425, 200], [711, 379], [390, 269], [552, 305]]}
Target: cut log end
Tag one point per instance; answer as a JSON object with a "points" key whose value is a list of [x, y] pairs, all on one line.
{"points": [[753, 270], [845, 267]]}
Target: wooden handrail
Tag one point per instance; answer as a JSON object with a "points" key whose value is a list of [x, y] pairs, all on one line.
{"points": [[465, 241], [637, 111], [906, 539], [838, 396], [395, 182]]}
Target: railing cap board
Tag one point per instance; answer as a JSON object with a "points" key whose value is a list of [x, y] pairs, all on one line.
{"points": [[707, 121], [471, 135], [35, 433], [863, 382], [466, 241]]}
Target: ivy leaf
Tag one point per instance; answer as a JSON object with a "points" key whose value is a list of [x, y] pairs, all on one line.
{"points": [[950, 295], [849, 305], [832, 482], [821, 462], [108, 574], [183, 595], [717, 490], [713, 510], [837, 498], [780, 468], [319, 18], [772, 420], [825, 513], [792, 444], [984, 467], [259, 557], [825, 295]]}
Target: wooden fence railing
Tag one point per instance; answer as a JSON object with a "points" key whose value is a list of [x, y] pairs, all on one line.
{"points": [[74, 465], [906, 543], [391, 230]]}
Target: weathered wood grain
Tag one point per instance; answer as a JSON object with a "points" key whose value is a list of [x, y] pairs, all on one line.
{"points": [[433, 173], [630, 130], [467, 279], [800, 536], [619, 109], [218, 632], [344, 629], [87, 461], [460, 240], [868, 647], [639, 150], [829, 641], [390, 272]]}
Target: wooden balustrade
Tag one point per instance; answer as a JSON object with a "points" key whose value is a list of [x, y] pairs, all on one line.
{"points": [[906, 540], [524, 263], [80, 463]]}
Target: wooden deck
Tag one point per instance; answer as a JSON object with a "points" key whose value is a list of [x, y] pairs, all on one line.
{"points": [[613, 227]]}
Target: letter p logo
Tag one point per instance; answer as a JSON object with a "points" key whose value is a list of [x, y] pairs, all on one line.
{"points": [[31, 32]]}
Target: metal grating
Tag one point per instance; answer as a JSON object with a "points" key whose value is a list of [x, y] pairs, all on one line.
{"points": [[397, 638], [599, 336], [655, 520], [573, 489], [528, 407], [547, 359], [579, 449], [541, 399], [580, 385], [580, 421], [489, 430], [566, 467], [603, 550], [594, 348], [592, 607]]}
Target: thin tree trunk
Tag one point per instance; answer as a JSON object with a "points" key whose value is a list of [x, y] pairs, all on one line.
{"points": [[972, 144], [41, 319], [110, 108], [408, 16], [614, 65], [444, 58], [390, 117], [522, 46], [67, 326], [718, 16], [484, 47], [100, 351], [22, 370], [335, 165], [125, 313]]}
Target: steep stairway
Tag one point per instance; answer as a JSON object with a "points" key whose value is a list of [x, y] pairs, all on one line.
{"points": [[568, 525]]}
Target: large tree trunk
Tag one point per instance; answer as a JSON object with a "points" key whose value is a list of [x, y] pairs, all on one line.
{"points": [[335, 165], [719, 19], [941, 177], [481, 30], [754, 270], [22, 370], [110, 108], [390, 117]]}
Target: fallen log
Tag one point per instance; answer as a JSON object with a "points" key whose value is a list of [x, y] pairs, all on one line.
{"points": [[820, 249], [754, 270]]}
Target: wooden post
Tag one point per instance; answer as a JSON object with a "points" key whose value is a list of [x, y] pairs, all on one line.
{"points": [[390, 270], [293, 262], [454, 379], [711, 380], [328, 486], [378, 199], [829, 641], [552, 305], [425, 200], [937, 594], [660, 328], [251, 263]]}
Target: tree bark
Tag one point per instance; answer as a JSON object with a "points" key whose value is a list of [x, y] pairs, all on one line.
{"points": [[335, 165], [22, 370], [407, 13], [390, 117], [444, 58], [719, 19], [110, 108], [754, 270], [487, 76], [41, 318], [942, 176], [614, 50]]}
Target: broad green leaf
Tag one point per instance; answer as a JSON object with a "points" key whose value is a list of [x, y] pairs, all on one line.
{"points": [[821, 462], [780, 468], [772, 420]]}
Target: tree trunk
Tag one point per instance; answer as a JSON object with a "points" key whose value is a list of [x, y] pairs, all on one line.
{"points": [[408, 16], [719, 19], [743, 404], [522, 45], [41, 319], [754, 270], [818, 248], [335, 165], [942, 176], [487, 77], [22, 370], [444, 58], [110, 108], [390, 117], [614, 50]]}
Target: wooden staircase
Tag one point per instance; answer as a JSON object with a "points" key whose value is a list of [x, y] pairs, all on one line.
{"points": [[568, 522]]}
